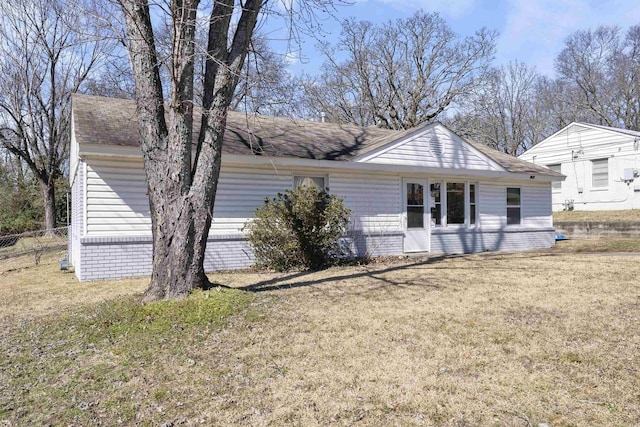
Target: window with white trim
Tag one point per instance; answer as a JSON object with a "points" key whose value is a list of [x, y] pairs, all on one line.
{"points": [[472, 204], [513, 206], [600, 173], [436, 203], [455, 203], [309, 181], [415, 205]]}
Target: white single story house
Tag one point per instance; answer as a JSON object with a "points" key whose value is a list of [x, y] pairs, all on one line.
{"points": [[421, 190], [601, 165]]}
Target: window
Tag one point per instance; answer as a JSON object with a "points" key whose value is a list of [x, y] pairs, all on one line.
{"points": [[600, 173], [415, 205], [513, 206], [309, 181], [472, 204], [436, 207], [455, 203], [556, 185]]}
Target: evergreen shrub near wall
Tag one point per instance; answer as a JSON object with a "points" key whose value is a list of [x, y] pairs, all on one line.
{"points": [[299, 228]]}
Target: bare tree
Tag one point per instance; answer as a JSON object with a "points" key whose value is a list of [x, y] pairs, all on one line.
{"points": [[626, 81], [503, 110], [602, 71], [586, 62], [400, 74], [182, 186], [265, 86], [43, 59]]}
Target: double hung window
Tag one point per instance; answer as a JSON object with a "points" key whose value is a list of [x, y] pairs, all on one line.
{"points": [[513, 206]]}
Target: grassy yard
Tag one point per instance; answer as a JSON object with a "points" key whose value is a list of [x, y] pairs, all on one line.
{"points": [[493, 339], [598, 216]]}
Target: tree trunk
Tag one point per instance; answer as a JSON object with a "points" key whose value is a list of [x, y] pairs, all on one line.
{"points": [[49, 197], [177, 267], [182, 191]]}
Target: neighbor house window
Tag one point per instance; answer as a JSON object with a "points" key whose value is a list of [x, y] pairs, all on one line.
{"points": [[455, 203], [556, 185], [436, 207], [472, 204], [600, 173], [309, 181], [513, 206]]}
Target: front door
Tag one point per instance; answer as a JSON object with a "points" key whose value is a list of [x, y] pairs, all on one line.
{"points": [[416, 215]]}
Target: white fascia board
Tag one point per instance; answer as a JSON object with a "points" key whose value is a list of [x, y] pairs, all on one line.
{"points": [[111, 151]]}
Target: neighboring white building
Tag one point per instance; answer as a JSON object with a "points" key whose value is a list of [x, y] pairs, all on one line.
{"points": [[421, 190], [601, 166]]}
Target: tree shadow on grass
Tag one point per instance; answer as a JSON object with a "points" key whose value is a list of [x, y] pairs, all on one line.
{"points": [[285, 282]]}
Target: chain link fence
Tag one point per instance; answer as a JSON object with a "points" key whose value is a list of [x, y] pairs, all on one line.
{"points": [[33, 243]]}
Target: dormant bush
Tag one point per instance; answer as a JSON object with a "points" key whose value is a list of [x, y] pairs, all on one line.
{"points": [[299, 228]]}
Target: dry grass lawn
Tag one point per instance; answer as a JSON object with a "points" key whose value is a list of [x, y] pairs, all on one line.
{"points": [[598, 216], [494, 339]]}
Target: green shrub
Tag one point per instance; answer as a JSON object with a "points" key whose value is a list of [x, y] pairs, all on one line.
{"points": [[300, 228]]}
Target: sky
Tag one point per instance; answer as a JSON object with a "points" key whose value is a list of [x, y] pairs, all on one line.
{"points": [[530, 31]]}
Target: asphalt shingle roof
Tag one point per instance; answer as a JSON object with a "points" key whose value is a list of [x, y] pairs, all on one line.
{"points": [[111, 121]]}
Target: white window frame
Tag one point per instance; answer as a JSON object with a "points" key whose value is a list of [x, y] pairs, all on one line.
{"points": [[465, 196], [467, 203], [443, 214], [508, 206]]}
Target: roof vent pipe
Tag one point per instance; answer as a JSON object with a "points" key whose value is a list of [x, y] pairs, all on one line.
{"points": [[323, 115]]}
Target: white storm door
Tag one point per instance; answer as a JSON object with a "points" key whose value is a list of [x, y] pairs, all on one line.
{"points": [[416, 215]]}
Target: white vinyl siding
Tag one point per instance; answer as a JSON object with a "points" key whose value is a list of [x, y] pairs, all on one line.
{"points": [[436, 148], [375, 201], [600, 173], [535, 205], [584, 142], [117, 203], [492, 205], [556, 185], [241, 192], [576, 148]]}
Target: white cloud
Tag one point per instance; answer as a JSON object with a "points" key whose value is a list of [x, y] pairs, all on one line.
{"points": [[291, 58], [535, 30]]}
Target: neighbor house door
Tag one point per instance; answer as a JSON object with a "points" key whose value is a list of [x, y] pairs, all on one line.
{"points": [[416, 215]]}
